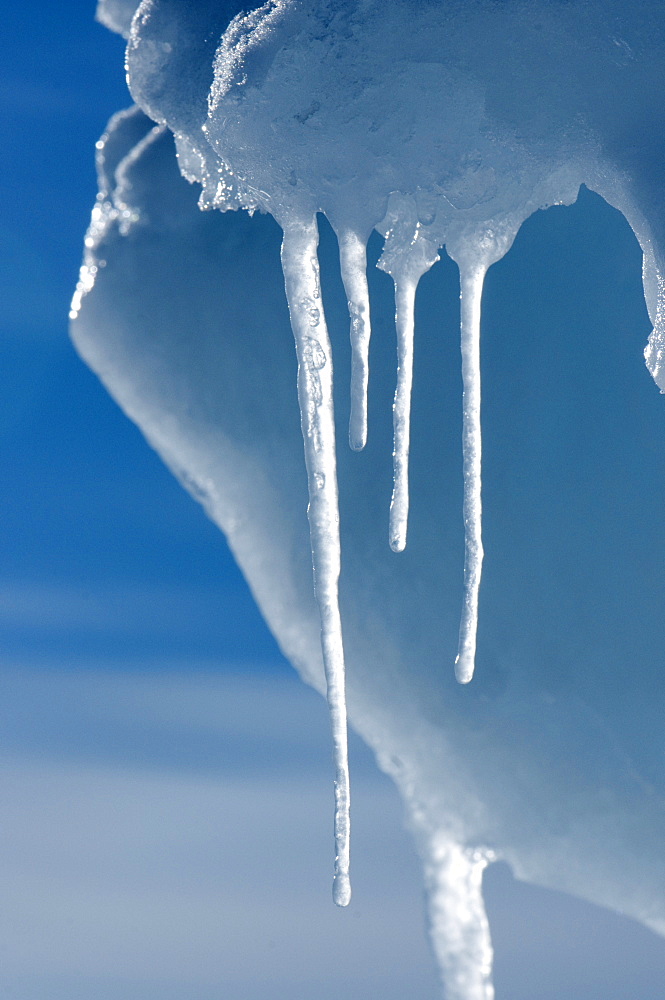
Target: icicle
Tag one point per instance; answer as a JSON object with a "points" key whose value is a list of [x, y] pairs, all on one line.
{"points": [[315, 392], [408, 253], [405, 296], [353, 265], [471, 290], [459, 928]]}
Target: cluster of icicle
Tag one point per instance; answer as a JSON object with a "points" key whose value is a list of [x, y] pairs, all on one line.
{"points": [[380, 120]]}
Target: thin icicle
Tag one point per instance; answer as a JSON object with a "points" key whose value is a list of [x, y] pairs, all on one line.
{"points": [[405, 296], [353, 265], [471, 290], [315, 393], [408, 253]]}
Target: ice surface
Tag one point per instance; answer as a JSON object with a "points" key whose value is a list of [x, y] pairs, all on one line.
{"points": [[470, 297], [437, 125], [117, 14], [353, 268], [405, 301], [315, 390]]}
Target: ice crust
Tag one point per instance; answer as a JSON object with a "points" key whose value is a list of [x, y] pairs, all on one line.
{"points": [[437, 125], [117, 15]]}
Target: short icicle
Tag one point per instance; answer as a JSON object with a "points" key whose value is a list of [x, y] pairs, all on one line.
{"points": [[353, 266], [471, 290], [405, 296], [315, 393]]}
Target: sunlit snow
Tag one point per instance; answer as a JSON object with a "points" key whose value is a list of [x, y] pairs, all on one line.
{"points": [[437, 125]]}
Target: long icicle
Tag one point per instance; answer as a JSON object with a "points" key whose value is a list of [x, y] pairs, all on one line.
{"points": [[315, 393], [405, 296], [471, 291], [353, 266]]}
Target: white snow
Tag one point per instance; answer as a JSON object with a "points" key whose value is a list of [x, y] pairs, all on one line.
{"points": [[439, 126]]}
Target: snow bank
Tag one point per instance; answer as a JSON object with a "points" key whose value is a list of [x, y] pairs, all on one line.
{"points": [[437, 125]]}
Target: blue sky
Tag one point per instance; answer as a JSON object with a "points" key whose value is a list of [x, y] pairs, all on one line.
{"points": [[68, 450], [166, 786]]}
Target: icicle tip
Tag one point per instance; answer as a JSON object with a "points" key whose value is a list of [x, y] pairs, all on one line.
{"points": [[464, 668], [341, 889]]}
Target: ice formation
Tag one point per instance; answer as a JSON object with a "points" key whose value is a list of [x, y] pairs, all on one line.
{"points": [[438, 125]]}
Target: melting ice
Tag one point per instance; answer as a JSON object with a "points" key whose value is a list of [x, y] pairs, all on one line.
{"points": [[438, 126]]}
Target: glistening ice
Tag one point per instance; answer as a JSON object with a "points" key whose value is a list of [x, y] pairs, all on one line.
{"points": [[436, 125]]}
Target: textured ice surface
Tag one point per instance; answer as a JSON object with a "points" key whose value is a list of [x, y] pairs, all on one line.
{"points": [[437, 125], [117, 14], [414, 120]]}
